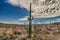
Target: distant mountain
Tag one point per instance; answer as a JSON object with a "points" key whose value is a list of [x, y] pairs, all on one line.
{"points": [[56, 23], [11, 25]]}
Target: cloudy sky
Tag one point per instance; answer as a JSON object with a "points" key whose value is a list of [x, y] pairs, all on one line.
{"points": [[14, 13]]}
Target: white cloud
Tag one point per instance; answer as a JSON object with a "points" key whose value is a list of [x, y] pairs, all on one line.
{"points": [[56, 20], [26, 22], [40, 8], [13, 2], [47, 21], [14, 22], [24, 18], [5, 22], [22, 3], [53, 21]]}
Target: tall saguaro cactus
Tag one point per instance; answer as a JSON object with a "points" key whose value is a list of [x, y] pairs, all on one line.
{"points": [[30, 22]]}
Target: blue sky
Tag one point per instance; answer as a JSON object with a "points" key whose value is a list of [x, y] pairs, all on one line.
{"points": [[12, 14]]}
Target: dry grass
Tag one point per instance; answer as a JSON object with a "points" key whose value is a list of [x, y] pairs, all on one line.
{"points": [[40, 32]]}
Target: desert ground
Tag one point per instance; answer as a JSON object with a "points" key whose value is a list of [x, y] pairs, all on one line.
{"points": [[39, 32]]}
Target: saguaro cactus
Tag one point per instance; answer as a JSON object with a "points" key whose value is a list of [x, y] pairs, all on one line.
{"points": [[30, 22]]}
